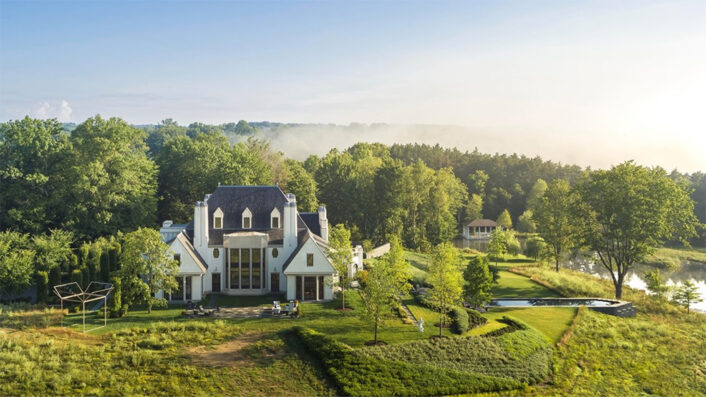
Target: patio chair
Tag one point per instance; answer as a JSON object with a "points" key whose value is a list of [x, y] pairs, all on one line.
{"points": [[276, 308]]}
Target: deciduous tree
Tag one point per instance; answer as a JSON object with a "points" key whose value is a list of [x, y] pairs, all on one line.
{"points": [[341, 255], [553, 217], [146, 268], [627, 211], [479, 281], [446, 279]]}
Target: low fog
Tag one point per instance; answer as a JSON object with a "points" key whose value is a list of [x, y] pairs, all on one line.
{"points": [[300, 141]]}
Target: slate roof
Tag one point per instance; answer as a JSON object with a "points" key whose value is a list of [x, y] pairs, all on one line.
{"points": [[312, 221], [260, 200], [233, 200]]}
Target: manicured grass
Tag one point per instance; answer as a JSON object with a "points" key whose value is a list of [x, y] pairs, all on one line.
{"points": [[551, 321], [511, 285]]}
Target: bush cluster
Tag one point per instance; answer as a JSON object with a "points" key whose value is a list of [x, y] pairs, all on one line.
{"points": [[459, 320], [432, 367]]}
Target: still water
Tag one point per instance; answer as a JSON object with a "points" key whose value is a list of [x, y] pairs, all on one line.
{"points": [[696, 272]]}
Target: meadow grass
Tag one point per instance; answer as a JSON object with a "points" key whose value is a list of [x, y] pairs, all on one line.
{"points": [[662, 351]]}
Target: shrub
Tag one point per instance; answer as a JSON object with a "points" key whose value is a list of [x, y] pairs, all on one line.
{"points": [[77, 277], [42, 282], [54, 278], [475, 319], [459, 320], [115, 303], [358, 373]]}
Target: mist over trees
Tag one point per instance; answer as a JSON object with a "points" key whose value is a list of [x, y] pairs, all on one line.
{"points": [[78, 187]]}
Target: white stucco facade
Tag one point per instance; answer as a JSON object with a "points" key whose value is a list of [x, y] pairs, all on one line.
{"points": [[276, 250]]}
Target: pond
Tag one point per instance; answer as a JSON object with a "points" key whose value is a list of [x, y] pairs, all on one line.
{"points": [[696, 272]]}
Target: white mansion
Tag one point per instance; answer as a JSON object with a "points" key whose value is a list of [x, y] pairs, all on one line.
{"points": [[251, 240]]}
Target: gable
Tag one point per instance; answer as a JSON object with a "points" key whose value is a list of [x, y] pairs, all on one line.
{"points": [[297, 263], [190, 261]]}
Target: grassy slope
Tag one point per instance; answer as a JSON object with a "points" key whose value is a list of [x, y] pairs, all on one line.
{"points": [[662, 351], [553, 322]]}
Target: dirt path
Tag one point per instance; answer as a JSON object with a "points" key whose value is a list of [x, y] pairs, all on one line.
{"points": [[233, 353]]}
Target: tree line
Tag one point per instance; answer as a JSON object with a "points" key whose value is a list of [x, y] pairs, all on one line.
{"points": [[106, 177]]}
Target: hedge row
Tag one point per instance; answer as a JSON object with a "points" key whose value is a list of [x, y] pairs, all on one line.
{"points": [[358, 374], [462, 319], [524, 355]]}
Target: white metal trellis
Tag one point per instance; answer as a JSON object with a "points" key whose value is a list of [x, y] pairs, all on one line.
{"points": [[96, 290]]}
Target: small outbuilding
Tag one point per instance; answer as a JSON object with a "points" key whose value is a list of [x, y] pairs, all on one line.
{"points": [[480, 229]]}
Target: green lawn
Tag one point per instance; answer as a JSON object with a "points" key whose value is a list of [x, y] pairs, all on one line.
{"points": [[511, 285]]}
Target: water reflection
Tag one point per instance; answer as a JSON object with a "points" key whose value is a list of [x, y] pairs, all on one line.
{"points": [[635, 278], [696, 272]]}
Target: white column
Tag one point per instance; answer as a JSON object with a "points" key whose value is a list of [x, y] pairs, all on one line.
{"points": [[317, 288]]}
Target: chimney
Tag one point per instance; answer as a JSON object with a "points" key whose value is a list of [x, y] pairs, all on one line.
{"points": [[323, 223], [201, 226], [290, 222]]}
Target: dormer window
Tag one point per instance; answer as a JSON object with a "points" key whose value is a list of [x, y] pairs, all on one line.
{"points": [[247, 219], [218, 219], [275, 219]]}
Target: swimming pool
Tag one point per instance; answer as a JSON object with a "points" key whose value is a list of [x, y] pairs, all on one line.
{"points": [[607, 306], [571, 302]]}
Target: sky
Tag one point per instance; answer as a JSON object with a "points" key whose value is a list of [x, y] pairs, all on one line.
{"points": [[593, 83]]}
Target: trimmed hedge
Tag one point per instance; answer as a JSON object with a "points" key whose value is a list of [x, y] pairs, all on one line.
{"points": [[475, 319], [359, 374], [459, 320]]}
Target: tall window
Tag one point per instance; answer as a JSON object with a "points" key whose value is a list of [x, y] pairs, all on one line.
{"points": [[234, 268], [256, 261], [275, 222], [310, 260], [245, 268]]}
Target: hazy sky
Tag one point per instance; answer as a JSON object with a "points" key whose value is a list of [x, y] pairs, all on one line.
{"points": [[593, 83]]}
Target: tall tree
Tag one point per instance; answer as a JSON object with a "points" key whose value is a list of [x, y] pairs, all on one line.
{"points": [[627, 211], [109, 182], [525, 223], [479, 281], [146, 268], [536, 194], [30, 153], [553, 218], [445, 278], [16, 263], [497, 246], [53, 250], [302, 184], [341, 255], [474, 208], [505, 220], [386, 280]]}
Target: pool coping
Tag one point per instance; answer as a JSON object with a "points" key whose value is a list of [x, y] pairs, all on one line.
{"points": [[618, 308]]}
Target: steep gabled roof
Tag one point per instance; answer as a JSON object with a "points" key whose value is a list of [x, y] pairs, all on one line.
{"points": [[184, 240], [303, 236]]}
